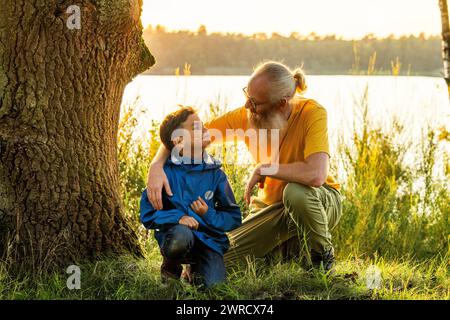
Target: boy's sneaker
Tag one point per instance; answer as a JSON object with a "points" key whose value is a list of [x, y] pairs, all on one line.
{"points": [[170, 269]]}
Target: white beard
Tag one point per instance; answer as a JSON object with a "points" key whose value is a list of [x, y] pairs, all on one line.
{"points": [[271, 120]]}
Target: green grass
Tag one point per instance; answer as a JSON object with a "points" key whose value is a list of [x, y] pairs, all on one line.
{"points": [[132, 278]]}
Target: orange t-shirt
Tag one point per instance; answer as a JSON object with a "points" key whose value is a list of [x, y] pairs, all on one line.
{"points": [[307, 133]]}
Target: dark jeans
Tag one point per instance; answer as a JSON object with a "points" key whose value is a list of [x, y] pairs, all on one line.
{"points": [[180, 245]]}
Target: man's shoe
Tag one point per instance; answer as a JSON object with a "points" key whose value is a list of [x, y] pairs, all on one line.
{"points": [[170, 269], [324, 261]]}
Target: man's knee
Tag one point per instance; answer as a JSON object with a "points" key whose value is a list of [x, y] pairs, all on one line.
{"points": [[178, 242], [298, 196]]}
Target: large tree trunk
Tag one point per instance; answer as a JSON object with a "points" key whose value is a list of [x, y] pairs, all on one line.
{"points": [[60, 95], [445, 41]]}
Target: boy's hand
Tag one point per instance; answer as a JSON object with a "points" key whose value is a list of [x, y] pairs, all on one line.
{"points": [[189, 222], [256, 178], [199, 206]]}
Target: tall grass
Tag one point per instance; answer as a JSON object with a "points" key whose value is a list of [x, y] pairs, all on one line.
{"points": [[392, 207]]}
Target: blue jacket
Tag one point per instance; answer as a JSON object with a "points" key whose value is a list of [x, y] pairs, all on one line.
{"points": [[188, 182]]}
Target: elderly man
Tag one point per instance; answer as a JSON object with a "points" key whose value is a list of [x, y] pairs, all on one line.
{"points": [[300, 197]]}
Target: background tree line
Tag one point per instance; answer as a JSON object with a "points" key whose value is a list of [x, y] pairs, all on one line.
{"points": [[236, 54]]}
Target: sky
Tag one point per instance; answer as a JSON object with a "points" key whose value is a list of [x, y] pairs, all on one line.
{"points": [[350, 19]]}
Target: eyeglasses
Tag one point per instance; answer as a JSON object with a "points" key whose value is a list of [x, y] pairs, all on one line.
{"points": [[252, 101]]}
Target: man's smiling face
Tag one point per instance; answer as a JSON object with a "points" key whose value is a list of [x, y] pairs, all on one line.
{"points": [[267, 114]]}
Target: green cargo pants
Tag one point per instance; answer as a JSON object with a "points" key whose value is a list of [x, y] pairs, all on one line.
{"points": [[305, 210]]}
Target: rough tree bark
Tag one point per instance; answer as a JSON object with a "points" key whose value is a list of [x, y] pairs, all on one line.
{"points": [[445, 41], [60, 95]]}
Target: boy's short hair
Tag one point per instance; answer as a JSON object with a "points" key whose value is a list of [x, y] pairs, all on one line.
{"points": [[172, 122]]}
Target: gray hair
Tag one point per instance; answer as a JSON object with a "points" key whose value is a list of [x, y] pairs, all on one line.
{"points": [[283, 82]]}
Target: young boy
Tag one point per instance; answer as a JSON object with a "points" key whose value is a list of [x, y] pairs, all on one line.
{"points": [[192, 224]]}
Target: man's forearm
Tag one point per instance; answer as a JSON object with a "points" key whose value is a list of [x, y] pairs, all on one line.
{"points": [[161, 156], [300, 172]]}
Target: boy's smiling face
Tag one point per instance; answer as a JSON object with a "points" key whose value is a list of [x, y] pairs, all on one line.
{"points": [[194, 135]]}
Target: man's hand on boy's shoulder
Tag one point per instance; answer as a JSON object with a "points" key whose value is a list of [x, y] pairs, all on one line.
{"points": [[199, 206], [189, 222]]}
